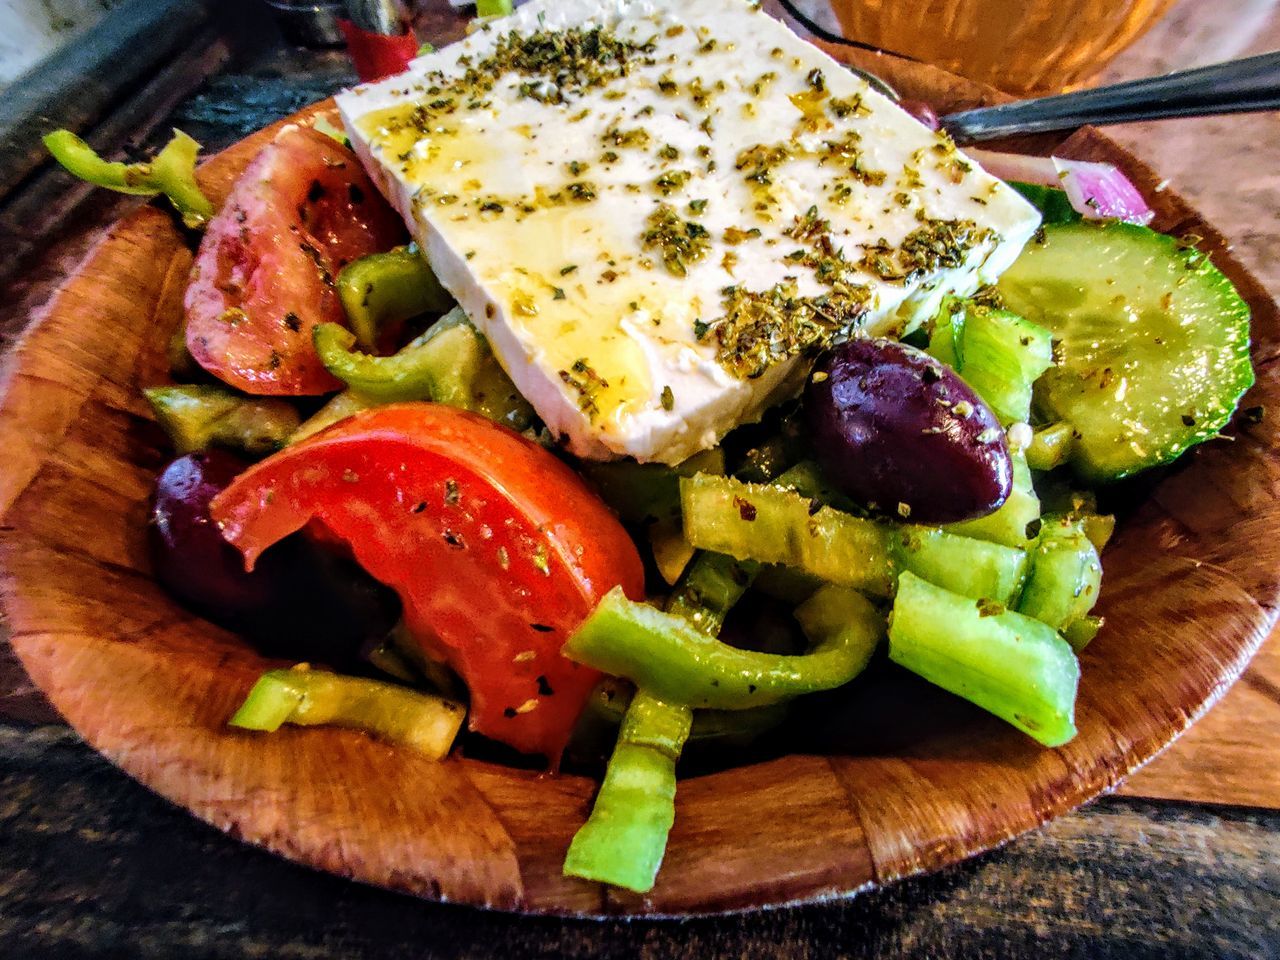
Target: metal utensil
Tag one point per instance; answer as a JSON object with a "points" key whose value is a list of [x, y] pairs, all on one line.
{"points": [[1236, 86]]}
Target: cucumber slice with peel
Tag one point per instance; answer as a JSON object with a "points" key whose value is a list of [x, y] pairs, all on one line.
{"points": [[1152, 351]]}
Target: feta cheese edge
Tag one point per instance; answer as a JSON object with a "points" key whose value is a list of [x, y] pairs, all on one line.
{"points": [[667, 435]]}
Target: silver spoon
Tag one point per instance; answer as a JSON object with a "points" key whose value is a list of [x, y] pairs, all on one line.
{"points": [[1236, 86]]}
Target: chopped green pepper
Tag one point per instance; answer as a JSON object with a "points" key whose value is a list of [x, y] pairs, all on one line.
{"points": [[308, 697], [624, 840], [771, 524], [323, 125], [711, 585], [408, 375], [1011, 665], [779, 523], [972, 568], [494, 8], [383, 289], [171, 172], [1066, 574], [670, 657], [451, 363], [1051, 446], [197, 417], [641, 492], [340, 406]]}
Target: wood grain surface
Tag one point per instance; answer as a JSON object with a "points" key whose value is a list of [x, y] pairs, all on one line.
{"points": [[1190, 593]]}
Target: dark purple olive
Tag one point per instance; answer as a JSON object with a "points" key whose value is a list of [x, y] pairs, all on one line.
{"points": [[303, 600], [922, 112], [902, 434], [191, 558]]}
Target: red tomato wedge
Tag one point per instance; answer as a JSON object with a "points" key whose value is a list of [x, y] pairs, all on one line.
{"points": [[263, 278], [497, 549]]}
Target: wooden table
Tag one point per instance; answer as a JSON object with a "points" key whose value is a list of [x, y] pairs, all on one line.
{"points": [[1183, 861]]}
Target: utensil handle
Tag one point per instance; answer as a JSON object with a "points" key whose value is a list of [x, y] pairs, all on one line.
{"points": [[1237, 86]]}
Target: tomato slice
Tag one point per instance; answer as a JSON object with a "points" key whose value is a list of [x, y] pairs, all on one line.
{"points": [[497, 549], [263, 278]]}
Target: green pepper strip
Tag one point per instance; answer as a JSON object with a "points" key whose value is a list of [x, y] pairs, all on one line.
{"points": [[610, 699], [709, 587], [196, 417], [307, 697], [623, 841], [171, 172], [407, 375], [388, 288], [668, 656], [1009, 664], [625, 838], [778, 523], [1065, 575], [1050, 446], [714, 582], [342, 405]]}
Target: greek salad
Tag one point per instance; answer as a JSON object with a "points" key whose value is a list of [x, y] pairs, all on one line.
{"points": [[625, 371]]}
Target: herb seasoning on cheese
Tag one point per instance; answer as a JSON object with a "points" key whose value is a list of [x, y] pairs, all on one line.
{"points": [[657, 210]]}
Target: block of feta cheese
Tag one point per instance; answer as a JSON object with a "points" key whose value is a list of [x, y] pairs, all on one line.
{"points": [[658, 210]]}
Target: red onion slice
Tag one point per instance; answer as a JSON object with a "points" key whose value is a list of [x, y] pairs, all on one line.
{"points": [[1098, 191]]}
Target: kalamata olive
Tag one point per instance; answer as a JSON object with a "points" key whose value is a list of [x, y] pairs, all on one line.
{"points": [[303, 600], [902, 434], [191, 558]]}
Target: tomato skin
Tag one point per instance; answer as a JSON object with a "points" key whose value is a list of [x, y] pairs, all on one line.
{"points": [[263, 276], [497, 549]]}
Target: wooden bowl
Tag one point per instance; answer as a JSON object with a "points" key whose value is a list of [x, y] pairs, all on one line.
{"points": [[915, 780]]}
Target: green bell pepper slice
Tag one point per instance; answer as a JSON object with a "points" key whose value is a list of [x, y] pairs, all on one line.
{"points": [[670, 657], [384, 289], [625, 838], [196, 417], [171, 172], [308, 697], [1009, 664], [409, 374], [450, 363]]}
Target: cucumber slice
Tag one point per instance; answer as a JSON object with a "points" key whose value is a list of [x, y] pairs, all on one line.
{"points": [[1153, 342]]}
